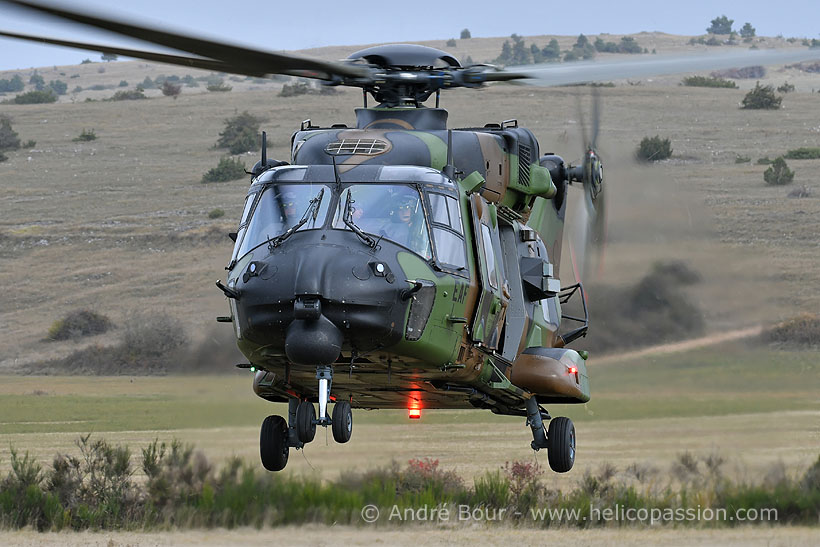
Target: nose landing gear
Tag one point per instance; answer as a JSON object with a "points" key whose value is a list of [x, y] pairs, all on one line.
{"points": [[278, 436]]}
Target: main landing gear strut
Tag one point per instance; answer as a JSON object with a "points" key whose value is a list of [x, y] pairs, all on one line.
{"points": [[278, 436], [559, 439]]}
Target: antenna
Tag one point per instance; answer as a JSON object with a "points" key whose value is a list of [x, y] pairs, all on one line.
{"points": [[264, 149], [449, 169], [336, 172]]}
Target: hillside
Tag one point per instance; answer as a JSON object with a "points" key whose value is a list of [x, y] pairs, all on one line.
{"points": [[120, 224]]}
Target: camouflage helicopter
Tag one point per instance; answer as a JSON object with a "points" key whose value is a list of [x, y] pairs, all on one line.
{"points": [[401, 263]]}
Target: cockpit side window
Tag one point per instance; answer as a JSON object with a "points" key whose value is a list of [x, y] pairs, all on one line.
{"points": [[447, 230], [280, 207]]}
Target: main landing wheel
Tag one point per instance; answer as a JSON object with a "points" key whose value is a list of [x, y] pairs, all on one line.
{"points": [[305, 421], [561, 444], [342, 422], [273, 443]]}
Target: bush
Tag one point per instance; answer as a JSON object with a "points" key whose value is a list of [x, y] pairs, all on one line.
{"points": [[3, 157], [747, 72], [747, 32], [12, 86], [764, 161], [452, 42], [58, 86], [220, 87], [37, 81], [170, 89], [761, 98], [36, 97], [148, 83], [465, 34], [742, 159], [654, 149], [227, 170], [77, 324], [704, 81], [129, 95], [8, 136], [85, 135], [778, 173], [803, 330], [123, 83], [812, 153], [785, 88], [241, 134], [216, 213]]}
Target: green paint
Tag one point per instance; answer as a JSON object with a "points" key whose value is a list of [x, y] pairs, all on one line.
{"points": [[437, 147], [472, 182]]}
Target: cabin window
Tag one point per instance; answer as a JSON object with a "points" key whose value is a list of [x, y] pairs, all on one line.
{"points": [[489, 255], [390, 211], [280, 207]]}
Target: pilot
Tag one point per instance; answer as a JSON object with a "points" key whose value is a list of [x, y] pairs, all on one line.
{"points": [[287, 203], [399, 229]]}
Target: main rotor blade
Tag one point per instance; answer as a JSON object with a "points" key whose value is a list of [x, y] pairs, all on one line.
{"points": [[193, 62], [242, 58], [553, 74]]}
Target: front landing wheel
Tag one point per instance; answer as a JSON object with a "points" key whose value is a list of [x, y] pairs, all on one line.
{"points": [[273, 443], [561, 444], [342, 422]]}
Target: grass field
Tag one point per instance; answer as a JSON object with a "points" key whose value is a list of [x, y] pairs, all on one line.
{"points": [[756, 407]]}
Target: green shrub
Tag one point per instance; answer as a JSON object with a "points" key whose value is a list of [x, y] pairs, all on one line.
{"points": [[708, 81], [761, 98], [170, 89], [85, 135], [3, 157], [29, 144], [654, 149], [764, 161], [8, 136], [148, 83], [785, 88], [36, 97], [122, 83], [228, 169], [216, 213], [220, 87], [58, 86], [810, 153], [465, 34], [778, 173], [241, 134], [743, 159], [77, 324], [13, 85], [127, 95], [452, 42]]}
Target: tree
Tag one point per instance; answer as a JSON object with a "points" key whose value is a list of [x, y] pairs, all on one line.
{"points": [[761, 98], [170, 89], [551, 50], [778, 173], [37, 81], [8, 136], [241, 134], [721, 25], [13, 85], [465, 34], [748, 31], [108, 57]]}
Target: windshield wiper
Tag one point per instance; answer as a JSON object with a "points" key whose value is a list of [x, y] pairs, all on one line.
{"points": [[312, 211], [348, 220]]}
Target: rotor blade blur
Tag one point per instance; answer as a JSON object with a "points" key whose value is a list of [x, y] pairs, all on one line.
{"points": [[193, 62], [236, 58], [596, 117], [554, 74]]}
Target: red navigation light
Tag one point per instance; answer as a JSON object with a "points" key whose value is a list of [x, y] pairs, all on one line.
{"points": [[414, 413], [573, 370]]}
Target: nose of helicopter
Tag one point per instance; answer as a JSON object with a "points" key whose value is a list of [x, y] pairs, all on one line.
{"points": [[312, 297]]}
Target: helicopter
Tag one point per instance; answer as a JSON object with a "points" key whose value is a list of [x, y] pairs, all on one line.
{"points": [[400, 263]]}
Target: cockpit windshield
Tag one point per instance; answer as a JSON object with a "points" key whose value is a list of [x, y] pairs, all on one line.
{"points": [[390, 211], [281, 207]]}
